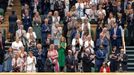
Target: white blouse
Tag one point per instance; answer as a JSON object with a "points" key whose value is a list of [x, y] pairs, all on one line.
{"points": [[28, 35], [31, 62], [74, 43], [16, 45], [86, 44]]}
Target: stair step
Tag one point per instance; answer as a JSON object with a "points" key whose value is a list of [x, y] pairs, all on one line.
{"points": [[131, 59], [130, 63], [131, 55], [130, 68]]}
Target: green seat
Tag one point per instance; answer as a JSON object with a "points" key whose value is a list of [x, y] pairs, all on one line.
{"points": [[1, 12]]}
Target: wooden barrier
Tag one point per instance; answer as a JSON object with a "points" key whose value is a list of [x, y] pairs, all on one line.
{"points": [[66, 73]]}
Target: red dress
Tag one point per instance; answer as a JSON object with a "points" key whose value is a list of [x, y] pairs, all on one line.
{"points": [[105, 69]]}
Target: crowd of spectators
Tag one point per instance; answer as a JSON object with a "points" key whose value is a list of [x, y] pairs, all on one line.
{"points": [[56, 36]]}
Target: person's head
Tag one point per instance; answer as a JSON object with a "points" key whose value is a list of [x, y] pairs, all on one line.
{"points": [[49, 36], [39, 46], [21, 27], [50, 13], [79, 1], [104, 64], [94, 7], [22, 49], [104, 30], [114, 48], [13, 12], [68, 14], [110, 15], [122, 51], [119, 15], [36, 14], [62, 39], [89, 37], [56, 13], [77, 36], [70, 52], [10, 49], [30, 30], [100, 6], [129, 6], [46, 21], [86, 20], [19, 22], [26, 12], [52, 47], [17, 39], [30, 53]]}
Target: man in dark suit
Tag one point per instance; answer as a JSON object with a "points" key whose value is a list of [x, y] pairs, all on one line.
{"points": [[60, 6], [45, 30], [27, 20], [12, 25], [70, 62], [116, 37], [67, 19], [122, 61], [40, 56]]}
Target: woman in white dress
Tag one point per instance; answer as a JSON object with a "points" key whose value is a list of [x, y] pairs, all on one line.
{"points": [[31, 62]]}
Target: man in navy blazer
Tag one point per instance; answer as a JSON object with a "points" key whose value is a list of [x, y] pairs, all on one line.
{"points": [[115, 35], [45, 30]]}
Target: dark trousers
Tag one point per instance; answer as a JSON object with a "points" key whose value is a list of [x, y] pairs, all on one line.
{"points": [[130, 34]]}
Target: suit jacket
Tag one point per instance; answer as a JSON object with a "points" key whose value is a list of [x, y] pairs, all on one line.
{"points": [[27, 22], [45, 30], [118, 40], [70, 61]]}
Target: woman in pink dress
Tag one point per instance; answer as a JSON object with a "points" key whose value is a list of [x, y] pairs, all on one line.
{"points": [[53, 54]]}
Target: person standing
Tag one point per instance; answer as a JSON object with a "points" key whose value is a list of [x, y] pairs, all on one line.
{"points": [[122, 61], [53, 55], [17, 63], [113, 59], [61, 53], [41, 58], [45, 30], [12, 25], [100, 57], [8, 60], [31, 62], [70, 62]]}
